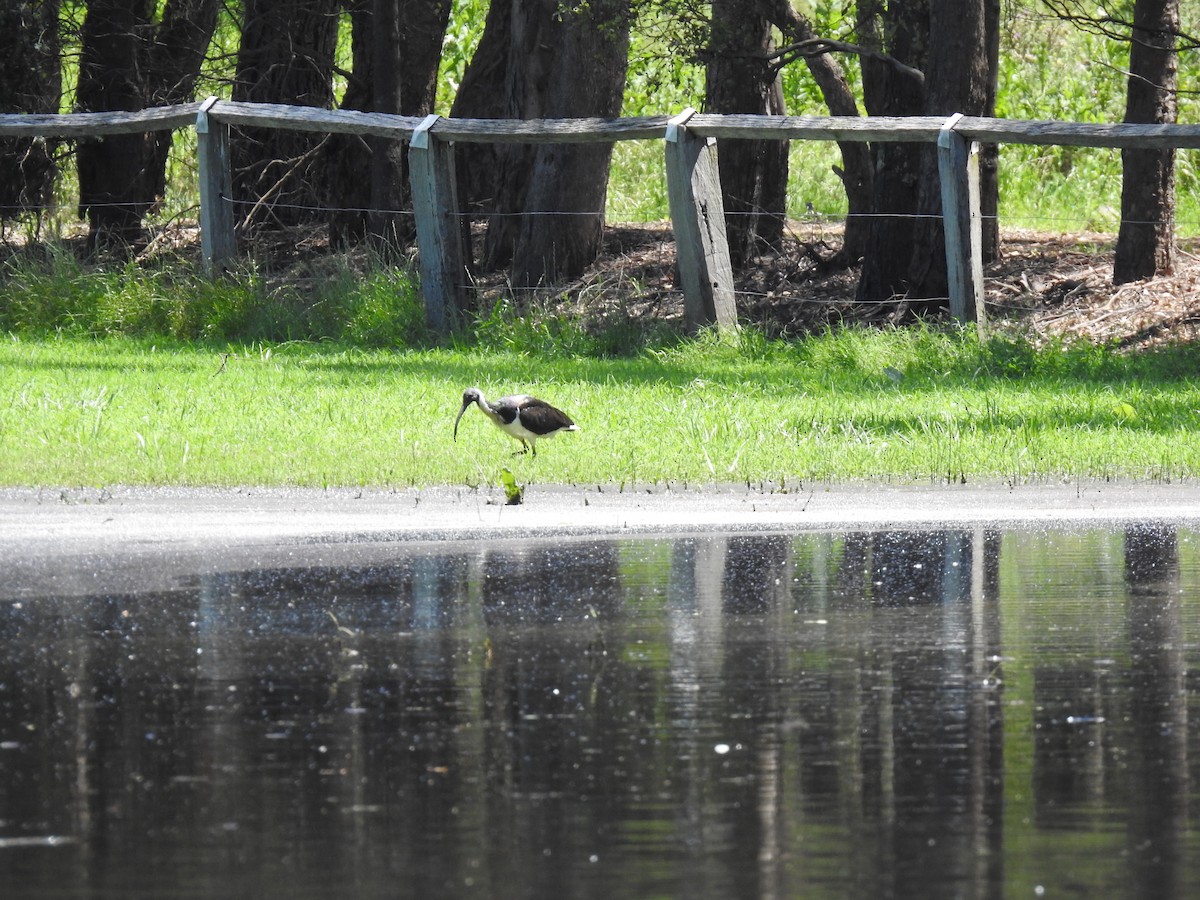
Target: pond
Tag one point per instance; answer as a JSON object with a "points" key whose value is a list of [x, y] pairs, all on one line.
{"points": [[910, 713]]}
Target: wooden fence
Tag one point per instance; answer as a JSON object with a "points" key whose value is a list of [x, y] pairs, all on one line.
{"points": [[693, 184]]}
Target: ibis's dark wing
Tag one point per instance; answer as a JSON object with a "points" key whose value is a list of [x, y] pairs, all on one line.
{"points": [[542, 418]]}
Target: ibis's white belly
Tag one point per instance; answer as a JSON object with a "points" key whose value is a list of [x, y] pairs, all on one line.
{"points": [[517, 430]]}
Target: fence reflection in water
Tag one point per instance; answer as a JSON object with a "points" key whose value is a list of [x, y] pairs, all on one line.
{"points": [[916, 713]]}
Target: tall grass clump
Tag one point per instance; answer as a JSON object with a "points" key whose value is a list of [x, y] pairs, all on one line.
{"points": [[53, 292], [534, 329]]}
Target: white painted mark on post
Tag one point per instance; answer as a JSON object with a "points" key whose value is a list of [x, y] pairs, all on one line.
{"points": [[947, 129], [202, 115], [420, 136], [675, 123]]}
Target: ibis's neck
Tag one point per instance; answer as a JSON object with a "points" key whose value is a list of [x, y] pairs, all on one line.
{"points": [[488, 410]]}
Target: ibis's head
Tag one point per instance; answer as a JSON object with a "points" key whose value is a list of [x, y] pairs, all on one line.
{"points": [[470, 395]]}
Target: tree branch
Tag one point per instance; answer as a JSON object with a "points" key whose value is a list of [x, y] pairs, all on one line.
{"points": [[819, 46], [1116, 28]]}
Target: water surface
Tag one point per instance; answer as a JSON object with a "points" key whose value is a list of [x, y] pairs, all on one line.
{"points": [[887, 714]]}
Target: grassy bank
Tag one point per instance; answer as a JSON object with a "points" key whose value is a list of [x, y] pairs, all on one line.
{"points": [[919, 405]]}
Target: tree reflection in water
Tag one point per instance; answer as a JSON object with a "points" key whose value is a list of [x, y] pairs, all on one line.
{"points": [[892, 714]]}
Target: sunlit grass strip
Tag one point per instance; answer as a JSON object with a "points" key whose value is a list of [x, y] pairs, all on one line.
{"points": [[893, 405]]}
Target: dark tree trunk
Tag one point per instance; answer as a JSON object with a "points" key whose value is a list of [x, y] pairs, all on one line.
{"points": [[111, 169], [285, 56], [740, 79], [1146, 241], [396, 48], [30, 82], [585, 78], [546, 202], [889, 91], [128, 63], [957, 80]]}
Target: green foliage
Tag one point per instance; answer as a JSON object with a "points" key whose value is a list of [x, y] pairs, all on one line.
{"points": [[467, 18]]}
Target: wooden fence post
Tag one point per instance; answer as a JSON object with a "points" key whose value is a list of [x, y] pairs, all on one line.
{"points": [[218, 241], [958, 167], [698, 220], [439, 239]]}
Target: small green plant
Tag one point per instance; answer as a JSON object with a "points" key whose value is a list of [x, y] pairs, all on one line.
{"points": [[514, 494]]}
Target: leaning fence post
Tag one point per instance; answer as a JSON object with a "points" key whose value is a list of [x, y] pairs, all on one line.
{"points": [[218, 241], [439, 239], [698, 220], [958, 167]]}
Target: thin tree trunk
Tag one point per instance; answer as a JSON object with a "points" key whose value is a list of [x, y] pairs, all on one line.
{"points": [[1146, 241], [889, 92], [173, 67], [989, 160], [479, 98], [128, 63], [740, 79], [856, 171]]}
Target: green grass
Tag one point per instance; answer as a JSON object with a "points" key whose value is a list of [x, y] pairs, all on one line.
{"points": [[920, 405]]}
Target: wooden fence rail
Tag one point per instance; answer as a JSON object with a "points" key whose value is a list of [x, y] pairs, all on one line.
{"points": [[693, 185]]}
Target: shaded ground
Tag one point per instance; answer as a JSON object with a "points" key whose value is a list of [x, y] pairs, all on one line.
{"points": [[1049, 284]]}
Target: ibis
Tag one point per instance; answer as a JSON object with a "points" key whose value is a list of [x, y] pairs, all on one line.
{"points": [[519, 416]]}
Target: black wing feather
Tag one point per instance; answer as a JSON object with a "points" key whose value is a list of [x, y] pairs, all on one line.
{"points": [[542, 418]]}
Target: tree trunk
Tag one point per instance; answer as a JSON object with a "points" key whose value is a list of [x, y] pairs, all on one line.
{"points": [[1146, 241], [740, 79], [856, 171], [396, 50], [546, 201], [128, 63], [479, 98], [957, 80], [888, 91], [111, 182], [30, 82], [173, 66], [285, 56], [989, 157]]}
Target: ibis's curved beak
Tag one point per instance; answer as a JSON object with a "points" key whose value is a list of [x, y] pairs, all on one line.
{"points": [[459, 419]]}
